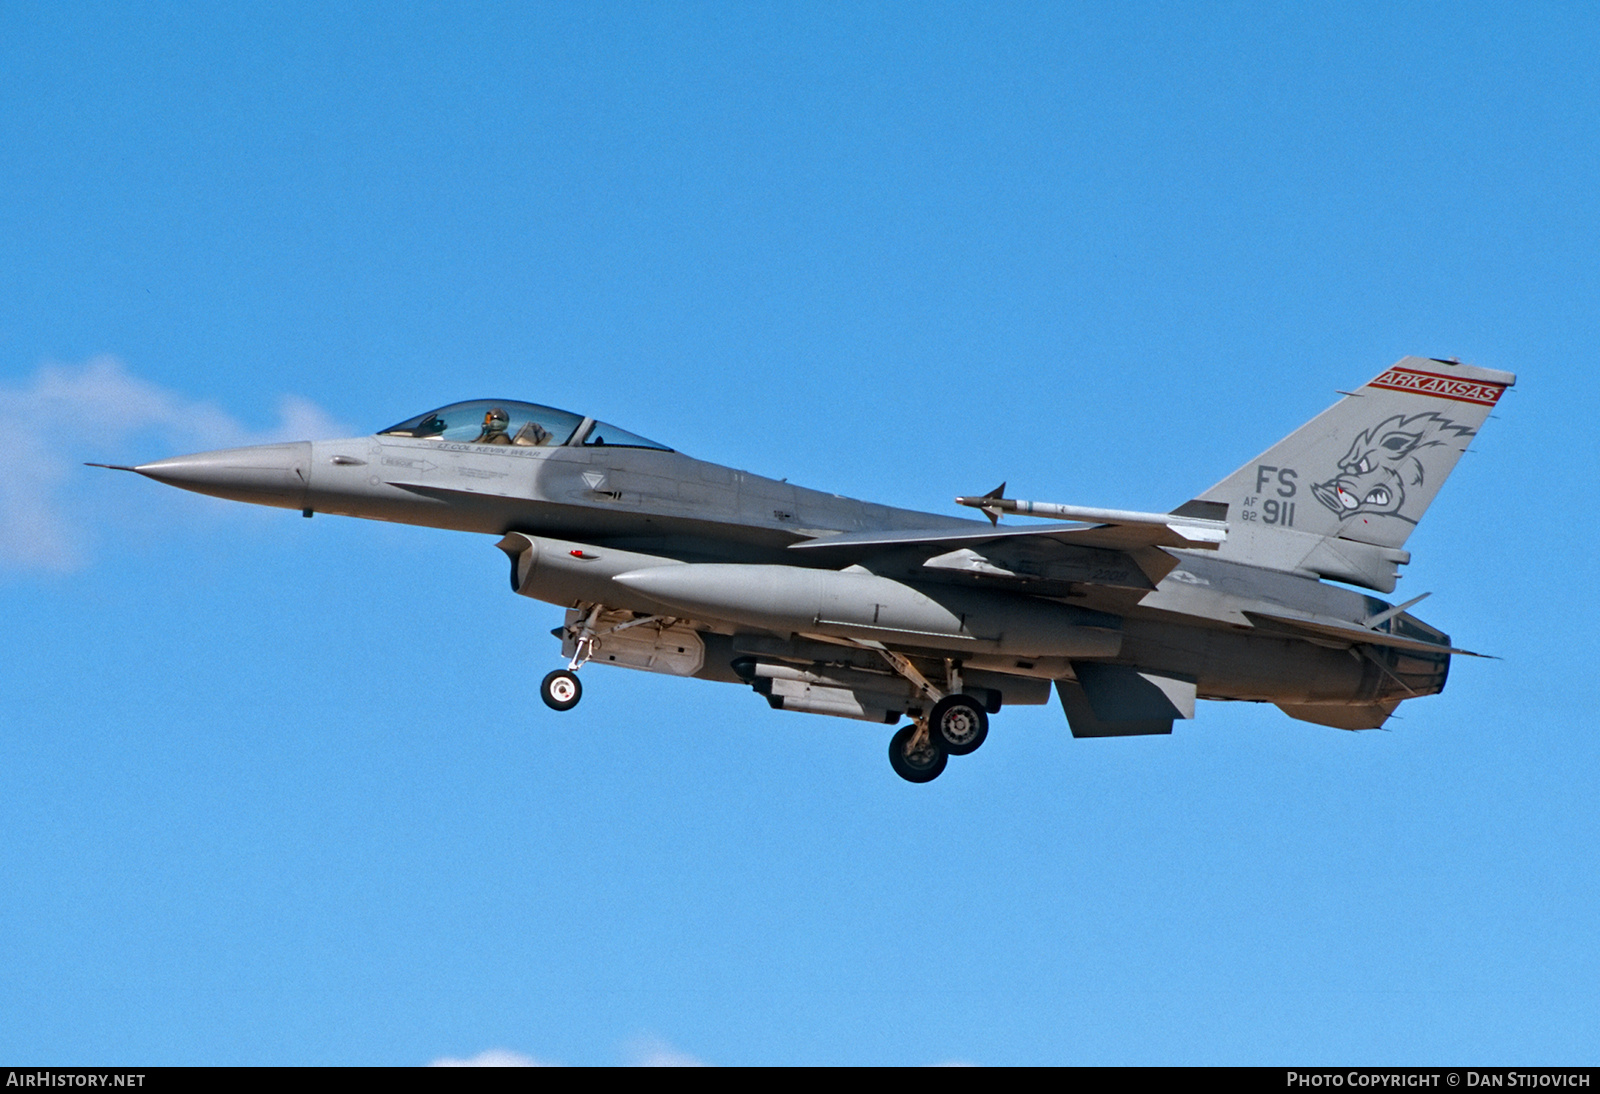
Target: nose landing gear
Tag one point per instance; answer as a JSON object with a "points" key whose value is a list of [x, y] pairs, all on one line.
{"points": [[591, 625], [561, 690]]}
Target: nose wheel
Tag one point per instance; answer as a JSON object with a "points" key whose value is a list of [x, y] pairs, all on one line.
{"points": [[560, 690]]}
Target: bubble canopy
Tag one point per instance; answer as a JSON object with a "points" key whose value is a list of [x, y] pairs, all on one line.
{"points": [[523, 425]]}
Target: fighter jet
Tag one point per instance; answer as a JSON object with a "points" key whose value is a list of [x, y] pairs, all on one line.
{"points": [[822, 604]]}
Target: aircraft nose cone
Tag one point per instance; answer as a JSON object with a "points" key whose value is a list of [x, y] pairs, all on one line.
{"points": [[267, 474]]}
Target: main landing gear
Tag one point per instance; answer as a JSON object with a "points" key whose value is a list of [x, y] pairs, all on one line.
{"points": [[956, 725]]}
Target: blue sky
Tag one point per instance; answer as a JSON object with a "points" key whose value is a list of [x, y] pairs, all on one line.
{"points": [[254, 813]]}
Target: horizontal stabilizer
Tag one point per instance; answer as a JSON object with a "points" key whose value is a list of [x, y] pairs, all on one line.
{"points": [[1352, 633], [1360, 716]]}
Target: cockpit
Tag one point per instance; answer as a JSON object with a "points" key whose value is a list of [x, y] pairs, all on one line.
{"points": [[523, 425]]}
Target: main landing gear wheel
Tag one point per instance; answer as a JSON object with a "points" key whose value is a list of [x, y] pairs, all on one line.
{"points": [[561, 690], [958, 723], [916, 763]]}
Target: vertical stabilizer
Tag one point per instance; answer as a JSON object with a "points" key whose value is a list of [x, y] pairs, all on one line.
{"points": [[1339, 496]]}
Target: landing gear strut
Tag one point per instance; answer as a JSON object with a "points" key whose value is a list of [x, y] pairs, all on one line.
{"points": [[915, 756]]}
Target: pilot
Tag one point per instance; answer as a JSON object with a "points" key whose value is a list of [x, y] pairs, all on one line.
{"points": [[495, 423]]}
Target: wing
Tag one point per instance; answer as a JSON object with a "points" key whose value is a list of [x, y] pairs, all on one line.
{"points": [[1118, 554], [1126, 531]]}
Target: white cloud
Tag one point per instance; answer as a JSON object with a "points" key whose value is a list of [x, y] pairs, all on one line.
{"points": [[66, 414], [494, 1057], [648, 1050], [645, 1050]]}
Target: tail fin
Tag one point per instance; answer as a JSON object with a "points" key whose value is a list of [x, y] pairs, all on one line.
{"points": [[1339, 496]]}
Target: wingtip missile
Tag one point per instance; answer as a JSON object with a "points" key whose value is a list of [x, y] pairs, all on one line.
{"points": [[993, 503], [1194, 531]]}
